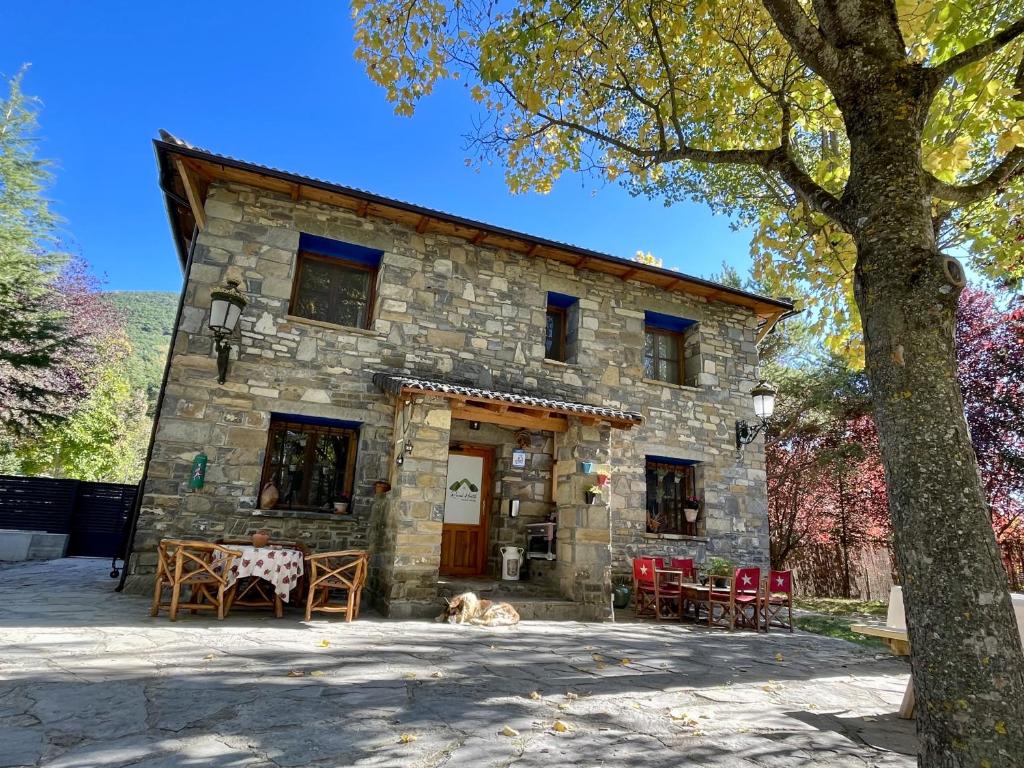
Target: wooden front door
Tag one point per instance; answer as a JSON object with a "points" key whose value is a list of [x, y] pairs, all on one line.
{"points": [[467, 502]]}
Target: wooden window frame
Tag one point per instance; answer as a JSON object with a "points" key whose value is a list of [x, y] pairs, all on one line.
{"points": [[284, 425], [562, 313], [679, 338], [684, 528], [371, 296]]}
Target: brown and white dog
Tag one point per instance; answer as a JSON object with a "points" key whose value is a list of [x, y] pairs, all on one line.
{"points": [[467, 608]]}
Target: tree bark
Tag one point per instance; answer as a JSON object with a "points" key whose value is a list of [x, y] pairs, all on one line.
{"points": [[967, 663]]}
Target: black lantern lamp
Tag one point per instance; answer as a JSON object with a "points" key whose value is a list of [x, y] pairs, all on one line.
{"points": [[764, 406], [226, 305]]}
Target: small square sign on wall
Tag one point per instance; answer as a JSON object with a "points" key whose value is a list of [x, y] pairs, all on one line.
{"points": [[519, 459]]}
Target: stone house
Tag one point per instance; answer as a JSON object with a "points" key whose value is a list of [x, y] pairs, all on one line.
{"points": [[489, 377]]}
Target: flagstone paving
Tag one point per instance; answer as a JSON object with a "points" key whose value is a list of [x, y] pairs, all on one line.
{"points": [[87, 678]]}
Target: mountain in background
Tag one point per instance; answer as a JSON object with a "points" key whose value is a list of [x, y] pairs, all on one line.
{"points": [[149, 323]]}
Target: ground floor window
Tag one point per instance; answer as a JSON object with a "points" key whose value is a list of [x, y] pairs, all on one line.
{"points": [[310, 461], [672, 502]]}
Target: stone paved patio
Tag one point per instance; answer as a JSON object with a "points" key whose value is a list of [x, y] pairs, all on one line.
{"points": [[87, 678]]}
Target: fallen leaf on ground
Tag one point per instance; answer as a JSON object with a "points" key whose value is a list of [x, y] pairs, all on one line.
{"points": [[560, 726], [509, 731], [572, 696], [779, 657], [324, 644], [409, 675], [683, 717], [408, 738], [317, 673], [601, 665], [534, 695], [623, 661], [296, 673], [597, 657], [210, 656], [563, 707], [438, 674]]}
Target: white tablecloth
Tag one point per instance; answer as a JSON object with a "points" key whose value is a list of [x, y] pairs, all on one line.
{"points": [[897, 617], [281, 567]]}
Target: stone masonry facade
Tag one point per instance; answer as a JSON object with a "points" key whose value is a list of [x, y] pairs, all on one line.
{"points": [[447, 309]]}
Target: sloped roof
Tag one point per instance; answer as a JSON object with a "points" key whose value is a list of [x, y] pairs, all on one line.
{"points": [[396, 383], [174, 153]]}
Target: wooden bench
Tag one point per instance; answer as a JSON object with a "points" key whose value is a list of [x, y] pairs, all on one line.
{"points": [[899, 645]]}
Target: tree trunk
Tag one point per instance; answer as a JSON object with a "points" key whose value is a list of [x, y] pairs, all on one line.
{"points": [[967, 663]]}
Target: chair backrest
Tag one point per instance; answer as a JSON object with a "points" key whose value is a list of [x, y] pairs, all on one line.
{"points": [[746, 580], [780, 581], [196, 561], [348, 566], [643, 570], [273, 544], [684, 564]]}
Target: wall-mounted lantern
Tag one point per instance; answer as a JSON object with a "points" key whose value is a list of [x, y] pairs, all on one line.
{"points": [[763, 396], [226, 305]]}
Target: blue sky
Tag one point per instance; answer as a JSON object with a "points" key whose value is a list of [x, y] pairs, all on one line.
{"points": [[276, 83]]}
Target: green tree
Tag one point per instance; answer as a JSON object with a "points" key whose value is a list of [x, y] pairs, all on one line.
{"points": [[103, 440], [862, 138]]}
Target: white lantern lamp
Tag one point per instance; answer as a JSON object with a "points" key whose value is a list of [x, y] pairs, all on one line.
{"points": [[763, 396], [226, 305]]}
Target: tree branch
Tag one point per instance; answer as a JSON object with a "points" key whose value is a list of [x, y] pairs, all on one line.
{"points": [[804, 38], [1008, 169], [979, 51]]}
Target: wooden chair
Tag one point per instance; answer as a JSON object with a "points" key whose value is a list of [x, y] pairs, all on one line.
{"points": [[668, 593], [644, 603], [739, 604], [684, 564], [778, 597], [336, 571], [253, 592], [200, 566]]}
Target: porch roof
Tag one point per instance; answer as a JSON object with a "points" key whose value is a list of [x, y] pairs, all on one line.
{"points": [[509, 408]]}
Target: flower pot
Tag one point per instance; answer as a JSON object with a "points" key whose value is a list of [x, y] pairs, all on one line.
{"points": [[588, 467], [381, 486], [269, 496], [690, 513], [260, 539], [341, 507], [621, 595], [591, 498]]}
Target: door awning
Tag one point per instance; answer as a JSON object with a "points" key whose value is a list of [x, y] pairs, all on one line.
{"points": [[506, 408]]}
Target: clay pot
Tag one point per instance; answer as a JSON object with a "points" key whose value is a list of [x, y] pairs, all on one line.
{"points": [[381, 486], [341, 507], [260, 539], [269, 496], [690, 513]]}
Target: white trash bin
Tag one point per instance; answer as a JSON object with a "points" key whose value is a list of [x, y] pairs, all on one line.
{"points": [[511, 560]]}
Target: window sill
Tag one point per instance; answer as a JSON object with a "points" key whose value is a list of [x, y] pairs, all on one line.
{"points": [[302, 514], [560, 363], [675, 537], [295, 319], [670, 385]]}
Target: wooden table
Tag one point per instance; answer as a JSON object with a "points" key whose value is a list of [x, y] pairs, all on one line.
{"points": [[899, 644]]}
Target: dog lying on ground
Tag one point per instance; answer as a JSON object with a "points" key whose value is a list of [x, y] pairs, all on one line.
{"points": [[467, 608]]}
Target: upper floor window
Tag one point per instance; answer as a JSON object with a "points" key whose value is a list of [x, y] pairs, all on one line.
{"points": [[562, 328], [671, 349], [310, 461], [335, 282]]}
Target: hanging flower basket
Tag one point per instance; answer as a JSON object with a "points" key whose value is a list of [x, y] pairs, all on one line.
{"points": [[690, 513]]}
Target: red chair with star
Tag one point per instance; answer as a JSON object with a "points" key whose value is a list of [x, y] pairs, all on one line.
{"points": [[644, 590], [684, 564], [778, 598], [739, 603]]}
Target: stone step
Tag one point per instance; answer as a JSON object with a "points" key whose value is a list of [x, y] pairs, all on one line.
{"points": [[552, 609]]}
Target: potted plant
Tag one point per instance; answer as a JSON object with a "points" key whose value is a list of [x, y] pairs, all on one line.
{"points": [[260, 539], [691, 508], [717, 568], [621, 592], [381, 486], [341, 505], [592, 494]]}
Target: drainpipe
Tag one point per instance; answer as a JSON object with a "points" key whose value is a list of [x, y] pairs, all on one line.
{"points": [[137, 507]]}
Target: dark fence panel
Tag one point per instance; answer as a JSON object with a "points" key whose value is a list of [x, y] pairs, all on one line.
{"points": [[94, 514]]}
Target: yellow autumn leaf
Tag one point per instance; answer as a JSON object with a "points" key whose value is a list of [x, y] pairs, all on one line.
{"points": [[324, 644], [509, 731], [408, 738], [561, 727], [535, 695]]}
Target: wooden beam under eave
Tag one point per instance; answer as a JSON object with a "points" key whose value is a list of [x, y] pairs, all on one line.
{"points": [[364, 205], [765, 329], [478, 238], [296, 192], [422, 224], [534, 250], [627, 274], [523, 420], [195, 199]]}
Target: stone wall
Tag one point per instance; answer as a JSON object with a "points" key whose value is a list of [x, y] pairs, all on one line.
{"points": [[444, 308]]}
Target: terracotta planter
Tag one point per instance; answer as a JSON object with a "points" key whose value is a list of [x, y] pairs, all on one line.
{"points": [[381, 486], [269, 496], [260, 539]]}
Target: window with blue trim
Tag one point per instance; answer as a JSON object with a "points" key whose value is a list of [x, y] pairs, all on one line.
{"points": [[672, 502], [310, 461], [671, 349], [562, 328], [335, 281]]}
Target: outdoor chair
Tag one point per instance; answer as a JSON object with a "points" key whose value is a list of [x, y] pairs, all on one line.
{"points": [[778, 598], [739, 604], [200, 567], [684, 564], [644, 595], [333, 572], [668, 593]]}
